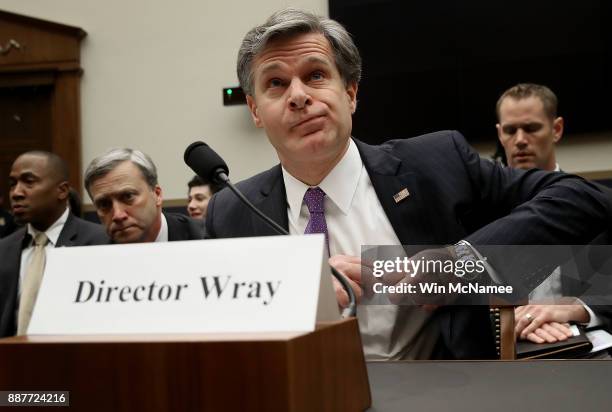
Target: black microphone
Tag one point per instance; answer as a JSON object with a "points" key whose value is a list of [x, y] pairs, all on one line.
{"points": [[207, 164]]}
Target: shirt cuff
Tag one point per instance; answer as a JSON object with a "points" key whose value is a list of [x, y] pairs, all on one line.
{"points": [[594, 320]]}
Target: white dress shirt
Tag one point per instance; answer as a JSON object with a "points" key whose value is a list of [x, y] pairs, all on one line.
{"points": [[355, 218], [53, 234], [162, 236]]}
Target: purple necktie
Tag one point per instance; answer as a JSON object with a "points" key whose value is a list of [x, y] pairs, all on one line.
{"points": [[314, 199]]}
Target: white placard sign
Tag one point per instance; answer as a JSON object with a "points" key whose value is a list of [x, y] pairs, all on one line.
{"points": [[264, 284]]}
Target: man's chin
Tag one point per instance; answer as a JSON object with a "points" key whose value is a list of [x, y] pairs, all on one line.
{"points": [[319, 140], [128, 235], [524, 164], [21, 219], [318, 134], [312, 147]]}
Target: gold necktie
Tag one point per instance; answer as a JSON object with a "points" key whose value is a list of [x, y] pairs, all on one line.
{"points": [[31, 283]]}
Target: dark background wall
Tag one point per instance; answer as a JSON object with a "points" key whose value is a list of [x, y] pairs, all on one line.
{"points": [[442, 64]]}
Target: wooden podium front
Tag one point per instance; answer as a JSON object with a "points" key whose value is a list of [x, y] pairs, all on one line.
{"points": [[319, 371]]}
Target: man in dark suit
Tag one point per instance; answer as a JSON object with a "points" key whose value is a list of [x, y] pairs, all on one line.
{"points": [[300, 73], [123, 186], [38, 195], [529, 129]]}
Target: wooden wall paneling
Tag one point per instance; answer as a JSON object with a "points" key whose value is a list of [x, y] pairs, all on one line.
{"points": [[66, 130], [40, 78]]}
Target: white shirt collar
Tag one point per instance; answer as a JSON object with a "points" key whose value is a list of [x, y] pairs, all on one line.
{"points": [[557, 168], [162, 236], [53, 232], [339, 185]]}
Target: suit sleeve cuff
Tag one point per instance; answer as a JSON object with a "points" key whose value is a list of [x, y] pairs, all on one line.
{"points": [[594, 320], [492, 272]]}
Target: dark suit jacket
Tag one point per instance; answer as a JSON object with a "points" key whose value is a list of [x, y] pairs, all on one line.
{"points": [[454, 195], [76, 232], [7, 223], [181, 227], [589, 277]]}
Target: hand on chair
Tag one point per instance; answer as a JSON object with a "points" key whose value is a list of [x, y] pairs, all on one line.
{"points": [[547, 323]]}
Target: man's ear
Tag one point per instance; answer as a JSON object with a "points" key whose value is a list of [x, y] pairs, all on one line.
{"points": [[557, 129], [63, 190], [351, 92], [499, 132], [253, 109], [157, 191]]}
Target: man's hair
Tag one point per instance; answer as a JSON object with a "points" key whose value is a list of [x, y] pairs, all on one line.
{"points": [[526, 90], [55, 164], [198, 181], [290, 22], [104, 164]]}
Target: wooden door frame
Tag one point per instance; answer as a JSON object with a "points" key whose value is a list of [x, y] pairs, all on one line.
{"points": [[47, 53]]}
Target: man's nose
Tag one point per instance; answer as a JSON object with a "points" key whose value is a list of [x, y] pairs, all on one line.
{"points": [[520, 138], [191, 205], [16, 192], [298, 95], [119, 212]]}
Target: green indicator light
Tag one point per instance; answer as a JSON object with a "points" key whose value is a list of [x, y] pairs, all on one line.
{"points": [[229, 92]]}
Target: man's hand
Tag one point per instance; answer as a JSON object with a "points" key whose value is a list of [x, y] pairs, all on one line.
{"points": [[547, 323], [550, 333], [350, 268]]}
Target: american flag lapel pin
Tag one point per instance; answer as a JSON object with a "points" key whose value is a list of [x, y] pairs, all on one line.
{"points": [[401, 195]]}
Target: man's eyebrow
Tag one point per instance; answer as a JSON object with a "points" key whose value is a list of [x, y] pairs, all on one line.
{"points": [[99, 199], [27, 174], [269, 67], [520, 124], [309, 60], [108, 195], [318, 60]]}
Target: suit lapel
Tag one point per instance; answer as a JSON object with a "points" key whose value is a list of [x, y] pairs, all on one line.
{"points": [[273, 203], [174, 230], [69, 232], [391, 178]]}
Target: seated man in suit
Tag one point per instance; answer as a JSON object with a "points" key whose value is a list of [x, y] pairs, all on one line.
{"points": [[39, 199], [300, 73], [529, 128], [122, 184]]}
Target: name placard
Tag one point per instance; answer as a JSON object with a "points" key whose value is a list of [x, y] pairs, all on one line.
{"points": [[264, 284]]}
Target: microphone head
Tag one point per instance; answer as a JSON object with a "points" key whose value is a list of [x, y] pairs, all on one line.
{"points": [[205, 162]]}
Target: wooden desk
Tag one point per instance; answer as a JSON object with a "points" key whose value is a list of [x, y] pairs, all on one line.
{"points": [[514, 386]]}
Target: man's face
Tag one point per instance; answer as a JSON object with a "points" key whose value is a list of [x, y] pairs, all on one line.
{"points": [[127, 207], [528, 134], [301, 100], [199, 196], [37, 194]]}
